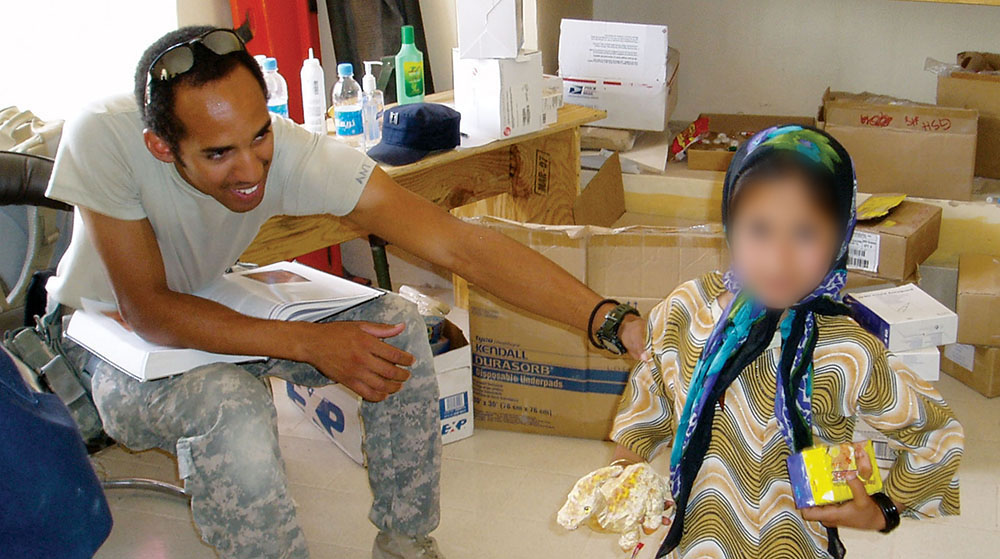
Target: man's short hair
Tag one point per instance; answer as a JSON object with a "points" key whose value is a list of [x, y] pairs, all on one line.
{"points": [[158, 115]]}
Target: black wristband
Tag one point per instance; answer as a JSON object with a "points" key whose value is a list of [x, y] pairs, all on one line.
{"points": [[590, 323], [889, 511]]}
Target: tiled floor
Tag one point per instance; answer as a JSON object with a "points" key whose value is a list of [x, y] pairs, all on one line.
{"points": [[500, 492]]}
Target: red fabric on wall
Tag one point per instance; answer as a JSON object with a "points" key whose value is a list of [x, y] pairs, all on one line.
{"points": [[285, 30]]}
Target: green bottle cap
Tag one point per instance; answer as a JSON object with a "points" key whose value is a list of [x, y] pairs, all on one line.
{"points": [[407, 34]]}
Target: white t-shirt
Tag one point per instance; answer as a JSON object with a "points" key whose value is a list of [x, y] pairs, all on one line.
{"points": [[102, 164]]}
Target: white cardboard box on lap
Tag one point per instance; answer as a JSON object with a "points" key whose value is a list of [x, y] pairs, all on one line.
{"points": [[904, 318], [499, 97], [336, 411], [625, 69]]}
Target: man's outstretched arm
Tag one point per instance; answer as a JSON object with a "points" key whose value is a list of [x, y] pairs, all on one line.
{"points": [[489, 259], [349, 352]]}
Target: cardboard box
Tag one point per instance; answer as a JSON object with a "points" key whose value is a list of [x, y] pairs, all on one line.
{"points": [[979, 299], [940, 282], [489, 28], [336, 410], [709, 157], [978, 367], [860, 282], [901, 146], [980, 92], [625, 69], [925, 362], [534, 375], [904, 318], [552, 98], [893, 246], [499, 97]]}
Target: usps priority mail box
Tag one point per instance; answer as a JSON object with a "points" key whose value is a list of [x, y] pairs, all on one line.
{"points": [[336, 410]]}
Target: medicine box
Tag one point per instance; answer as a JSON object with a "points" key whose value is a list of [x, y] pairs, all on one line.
{"points": [[904, 317], [925, 362], [336, 411], [499, 97]]}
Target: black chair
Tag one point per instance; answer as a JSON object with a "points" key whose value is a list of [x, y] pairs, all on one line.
{"points": [[23, 180]]}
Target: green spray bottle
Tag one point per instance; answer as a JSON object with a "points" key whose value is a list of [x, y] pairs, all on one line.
{"points": [[409, 70]]}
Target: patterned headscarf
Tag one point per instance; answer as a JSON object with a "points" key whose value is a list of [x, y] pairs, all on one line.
{"points": [[746, 327]]}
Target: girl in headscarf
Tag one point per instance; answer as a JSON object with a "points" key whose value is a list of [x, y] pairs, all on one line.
{"points": [[749, 366]]}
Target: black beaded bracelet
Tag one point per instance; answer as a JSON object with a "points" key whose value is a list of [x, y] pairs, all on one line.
{"points": [[889, 511], [590, 323]]}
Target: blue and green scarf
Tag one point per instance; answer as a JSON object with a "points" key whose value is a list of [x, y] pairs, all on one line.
{"points": [[746, 327]]}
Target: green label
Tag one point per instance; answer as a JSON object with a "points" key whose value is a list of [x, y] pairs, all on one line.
{"points": [[413, 78]]}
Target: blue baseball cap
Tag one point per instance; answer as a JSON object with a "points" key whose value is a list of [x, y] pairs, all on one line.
{"points": [[410, 132]]}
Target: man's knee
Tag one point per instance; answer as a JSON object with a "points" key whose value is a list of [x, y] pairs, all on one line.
{"points": [[237, 438]]}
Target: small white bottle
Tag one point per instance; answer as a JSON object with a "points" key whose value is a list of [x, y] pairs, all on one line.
{"points": [[277, 89], [372, 106], [313, 95], [347, 107]]}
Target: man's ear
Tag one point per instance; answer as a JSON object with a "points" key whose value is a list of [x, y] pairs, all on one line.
{"points": [[158, 146]]}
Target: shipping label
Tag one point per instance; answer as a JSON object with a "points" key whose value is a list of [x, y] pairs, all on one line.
{"points": [[863, 252]]}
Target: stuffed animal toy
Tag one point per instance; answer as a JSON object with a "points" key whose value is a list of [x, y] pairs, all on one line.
{"points": [[619, 500]]}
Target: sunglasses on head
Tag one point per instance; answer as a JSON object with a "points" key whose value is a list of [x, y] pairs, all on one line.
{"points": [[179, 58]]}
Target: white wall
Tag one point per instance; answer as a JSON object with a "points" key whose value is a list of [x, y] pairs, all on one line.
{"points": [[58, 55], [778, 56]]}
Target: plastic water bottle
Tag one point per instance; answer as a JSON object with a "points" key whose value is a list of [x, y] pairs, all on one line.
{"points": [[277, 89], [347, 107], [313, 95]]}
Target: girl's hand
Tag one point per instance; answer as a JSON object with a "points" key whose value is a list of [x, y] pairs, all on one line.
{"points": [[633, 334], [862, 512]]}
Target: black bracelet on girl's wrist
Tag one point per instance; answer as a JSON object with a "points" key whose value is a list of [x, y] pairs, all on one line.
{"points": [[889, 511]]}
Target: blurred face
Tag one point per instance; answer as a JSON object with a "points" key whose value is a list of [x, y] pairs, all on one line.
{"points": [[228, 144], [782, 241]]}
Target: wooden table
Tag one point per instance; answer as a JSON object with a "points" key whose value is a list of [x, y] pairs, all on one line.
{"points": [[534, 177]]}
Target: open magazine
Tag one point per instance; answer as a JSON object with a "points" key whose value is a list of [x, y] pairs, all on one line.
{"points": [[280, 291]]}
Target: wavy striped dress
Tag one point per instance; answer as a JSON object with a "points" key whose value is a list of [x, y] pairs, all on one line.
{"points": [[741, 503]]}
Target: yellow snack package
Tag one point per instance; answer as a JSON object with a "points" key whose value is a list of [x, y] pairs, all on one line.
{"points": [[819, 474]]}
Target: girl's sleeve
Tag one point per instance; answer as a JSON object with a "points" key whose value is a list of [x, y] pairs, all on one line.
{"points": [[644, 423], [923, 432]]}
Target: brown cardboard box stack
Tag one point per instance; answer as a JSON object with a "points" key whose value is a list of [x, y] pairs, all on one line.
{"points": [[902, 146], [534, 375], [975, 359], [980, 91]]}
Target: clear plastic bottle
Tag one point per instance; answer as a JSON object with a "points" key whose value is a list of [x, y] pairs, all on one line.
{"points": [[277, 89], [347, 107], [372, 106], [313, 95]]}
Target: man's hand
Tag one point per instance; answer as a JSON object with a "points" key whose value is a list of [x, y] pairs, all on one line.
{"points": [[633, 334], [861, 512], [353, 354]]}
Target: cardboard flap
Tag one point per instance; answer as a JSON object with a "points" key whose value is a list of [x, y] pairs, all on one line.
{"points": [[979, 274], [602, 202], [613, 50], [869, 110], [903, 220]]}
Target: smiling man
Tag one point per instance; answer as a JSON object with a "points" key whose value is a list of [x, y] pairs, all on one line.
{"points": [[171, 185]]}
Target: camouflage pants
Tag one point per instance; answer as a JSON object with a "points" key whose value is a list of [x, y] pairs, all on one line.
{"points": [[219, 420]]}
